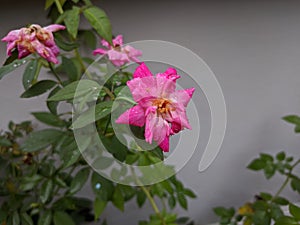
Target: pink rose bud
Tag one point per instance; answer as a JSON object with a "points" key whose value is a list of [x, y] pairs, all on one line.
{"points": [[117, 53]]}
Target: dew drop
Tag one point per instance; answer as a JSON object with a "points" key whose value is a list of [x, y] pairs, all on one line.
{"points": [[98, 186], [15, 65], [24, 61]]}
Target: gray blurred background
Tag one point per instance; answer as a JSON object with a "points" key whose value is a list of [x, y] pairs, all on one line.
{"points": [[253, 47]]}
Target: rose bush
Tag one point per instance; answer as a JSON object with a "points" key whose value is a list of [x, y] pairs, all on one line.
{"points": [[43, 170]]}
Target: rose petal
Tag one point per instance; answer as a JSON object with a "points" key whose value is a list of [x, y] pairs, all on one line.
{"points": [[54, 27], [164, 145], [142, 87], [118, 41], [183, 96], [99, 51], [142, 71], [170, 73], [134, 116]]}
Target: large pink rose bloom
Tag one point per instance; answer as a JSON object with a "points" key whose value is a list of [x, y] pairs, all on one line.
{"points": [[159, 107], [117, 53], [34, 39]]}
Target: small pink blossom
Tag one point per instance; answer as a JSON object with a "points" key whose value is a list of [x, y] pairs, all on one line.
{"points": [[117, 53], [34, 39], [159, 107]]}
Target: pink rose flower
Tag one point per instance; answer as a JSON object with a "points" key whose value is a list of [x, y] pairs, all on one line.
{"points": [[34, 39], [118, 54], [159, 107]]}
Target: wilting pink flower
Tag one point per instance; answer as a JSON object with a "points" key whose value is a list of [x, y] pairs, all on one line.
{"points": [[159, 107], [34, 39], [117, 53]]}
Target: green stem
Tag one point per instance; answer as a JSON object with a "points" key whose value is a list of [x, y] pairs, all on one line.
{"points": [[150, 198], [55, 74], [59, 7], [109, 93], [285, 183]]}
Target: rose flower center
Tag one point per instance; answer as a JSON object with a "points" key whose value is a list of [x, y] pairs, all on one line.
{"points": [[163, 105]]}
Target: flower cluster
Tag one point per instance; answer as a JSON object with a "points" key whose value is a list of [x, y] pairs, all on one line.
{"points": [[117, 53], [159, 107], [34, 39]]}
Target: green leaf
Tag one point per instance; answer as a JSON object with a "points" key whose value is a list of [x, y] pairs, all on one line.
{"points": [[99, 21], [70, 68], [286, 220], [45, 218], [64, 45], [266, 157], [281, 201], [257, 164], [29, 182], [182, 200], [88, 38], [118, 199], [99, 206], [93, 114], [5, 142], [102, 187], [295, 211], [295, 184], [269, 170], [11, 67], [72, 20], [167, 186], [260, 205], [39, 88], [31, 72], [49, 119], [52, 106], [15, 218], [141, 198], [60, 182], [62, 218], [81, 87], [280, 156], [172, 201], [261, 217], [170, 218], [294, 119], [12, 58], [182, 220], [46, 190], [224, 212], [40, 139], [266, 196], [48, 3], [26, 219], [79, 180], [189, 193], [276, 212]]}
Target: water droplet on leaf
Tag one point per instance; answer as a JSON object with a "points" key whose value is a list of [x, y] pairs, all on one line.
{"points": [[98, 186]]}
